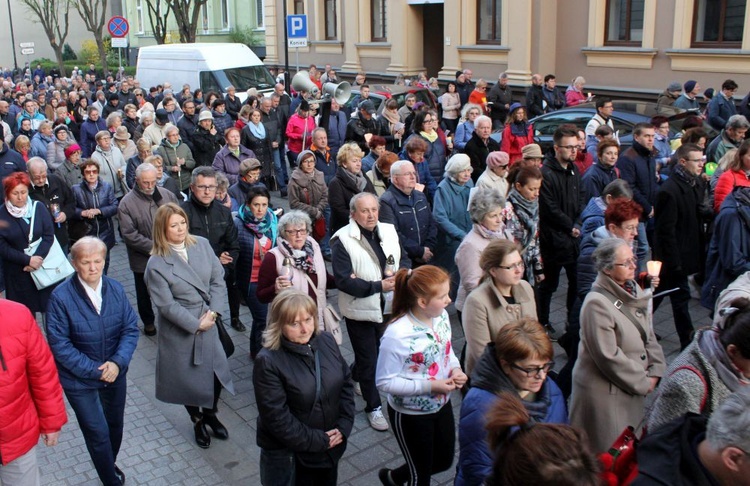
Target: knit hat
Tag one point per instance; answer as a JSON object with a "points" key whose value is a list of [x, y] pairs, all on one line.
{"points": [[673, 86], [497, 159], [532, 151], [690, 86], [70, 150], [304, 154], [709, 93], [457, 163]]}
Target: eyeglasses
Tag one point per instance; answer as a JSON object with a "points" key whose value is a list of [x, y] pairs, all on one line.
{"points": [[513, 267], [428, 120], [91, 171], [206, 188], [296, 232], [534, 372], [630, 262], [631, 228], [569, 147]]}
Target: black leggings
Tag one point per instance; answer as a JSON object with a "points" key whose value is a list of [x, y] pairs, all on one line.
{"points": [[427, 442], [197, 412]]}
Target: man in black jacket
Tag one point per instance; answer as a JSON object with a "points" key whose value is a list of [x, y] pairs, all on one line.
{"points": [[480, 145], [187, 123], [233, 104], [55, 194], [561, 201], [210, 219], [534, 97], [677, 228], [501, 96]]}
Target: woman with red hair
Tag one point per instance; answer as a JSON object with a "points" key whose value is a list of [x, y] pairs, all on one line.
{"points": [[22, 222]]}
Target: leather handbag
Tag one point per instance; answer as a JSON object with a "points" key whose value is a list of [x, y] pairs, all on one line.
{"points": [[620, 461], [224, 337], [55, 267]]}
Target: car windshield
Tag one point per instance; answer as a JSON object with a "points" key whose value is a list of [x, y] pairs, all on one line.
{"points": [[244, 78]]}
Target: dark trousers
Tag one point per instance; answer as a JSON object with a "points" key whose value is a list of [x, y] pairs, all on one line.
{"points": [[197, 412], [427, 442], [277, 467], [309, 476], [365, 338], [233, 296], [259, 311], [548, 286], [145, 309], [680, 304], [100, 413]]}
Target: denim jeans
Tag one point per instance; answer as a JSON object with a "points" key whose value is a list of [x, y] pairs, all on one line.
{"points": [[280, 175], [325, 247], [259, 311], [276, 467], [100, 413]]}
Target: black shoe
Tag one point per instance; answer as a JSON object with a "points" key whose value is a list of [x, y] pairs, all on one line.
{"points": [[201, 434], [237, 325], [120, 475], [217, 427], [550, 332], [149, 330], [385, 477]]}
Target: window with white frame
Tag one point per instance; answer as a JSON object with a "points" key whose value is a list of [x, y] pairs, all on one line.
{"points": [[139, 17]]}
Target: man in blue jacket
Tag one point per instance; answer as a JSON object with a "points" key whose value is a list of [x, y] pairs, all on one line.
{"points": [[722, 106], [637, 166], [409, 211], [93, 332]]}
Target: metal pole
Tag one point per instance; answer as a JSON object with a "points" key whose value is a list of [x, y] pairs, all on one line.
{"points": [[12, 38], [286, 52], [296, 50]]}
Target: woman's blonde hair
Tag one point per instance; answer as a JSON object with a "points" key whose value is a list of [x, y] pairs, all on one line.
{"points": [[159, 234], [347, 150], [284, 310]]}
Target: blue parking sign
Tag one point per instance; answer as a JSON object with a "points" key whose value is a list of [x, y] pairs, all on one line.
{"points": [[296, 26]]}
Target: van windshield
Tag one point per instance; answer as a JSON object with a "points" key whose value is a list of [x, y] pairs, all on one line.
{"points": [[244, 78]]}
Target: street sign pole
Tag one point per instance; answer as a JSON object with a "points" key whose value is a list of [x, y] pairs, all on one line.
{"points": [[286, 51]]}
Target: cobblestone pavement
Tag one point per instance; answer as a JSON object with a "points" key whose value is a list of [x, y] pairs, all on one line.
{"points": [[158, 445]]}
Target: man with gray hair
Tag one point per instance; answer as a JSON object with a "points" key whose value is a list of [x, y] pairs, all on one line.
{"points": [[360, 251], [136, 213], [501, 96], [54, 193], [729, 138], [210, 219], [700, 450]]}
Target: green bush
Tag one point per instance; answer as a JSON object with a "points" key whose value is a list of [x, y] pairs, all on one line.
{"points": [[68, 53], [247, 36]]}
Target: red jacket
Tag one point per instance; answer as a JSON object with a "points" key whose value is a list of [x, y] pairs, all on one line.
{"points": [[513, 144], [31, 401], [297, 129], [726, 184]]}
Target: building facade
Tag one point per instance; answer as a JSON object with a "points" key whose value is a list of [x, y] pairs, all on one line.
{"points": [[636, 46]]}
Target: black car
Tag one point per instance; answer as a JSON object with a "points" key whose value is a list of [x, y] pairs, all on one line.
{"points": [[381, 92], [625, 116]]}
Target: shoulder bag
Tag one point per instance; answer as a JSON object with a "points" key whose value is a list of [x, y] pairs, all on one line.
{"points": [[224, 337], [55, 266], [331, 318]]}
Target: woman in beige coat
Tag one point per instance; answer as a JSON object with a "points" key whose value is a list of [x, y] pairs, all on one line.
{"points": [[503, 297], [619, 360]]}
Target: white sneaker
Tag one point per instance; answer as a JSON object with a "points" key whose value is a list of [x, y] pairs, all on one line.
{"points": [[377, 421], [357, 388]]}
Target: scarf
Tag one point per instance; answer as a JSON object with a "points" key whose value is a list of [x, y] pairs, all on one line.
{"points": [[264, 227], [430, 136], [527, 212], [303, 259], [680, 172], [258, 131], [392, 117], [519, 129], [487, 234], [359, 180], [16, 212], [711, 347]]}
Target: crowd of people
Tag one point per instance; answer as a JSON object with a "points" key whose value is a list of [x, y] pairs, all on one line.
{"points": [[404, 213]]}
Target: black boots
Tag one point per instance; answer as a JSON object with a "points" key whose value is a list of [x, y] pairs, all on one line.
{"points": [[201, 434], [201, 431], [217, 427], [237, 325]]}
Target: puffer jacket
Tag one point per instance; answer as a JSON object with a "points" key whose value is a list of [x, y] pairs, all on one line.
{"points": [[102, 198], [56, 152], [299, 130], [561, 201], [288, 415], [31, 399], [596, 179], [308, 193], [487, 381], [170, 155], [247, 241], [435, 157], [83, 339], [586, 270], [89, 130], [592, 216]]}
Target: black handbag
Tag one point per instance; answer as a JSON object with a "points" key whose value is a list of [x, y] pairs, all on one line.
{"points": [[224, 337]]}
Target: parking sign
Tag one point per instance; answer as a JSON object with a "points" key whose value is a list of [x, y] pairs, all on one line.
{"points": [[296, 26]]}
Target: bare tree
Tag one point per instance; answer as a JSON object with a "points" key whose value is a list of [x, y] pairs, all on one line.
{"points": [[94, 15], [53, 16], [186, 13], [158, 19]]}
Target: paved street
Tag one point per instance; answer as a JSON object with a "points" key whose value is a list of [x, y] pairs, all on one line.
{"points": [[159, 446]]}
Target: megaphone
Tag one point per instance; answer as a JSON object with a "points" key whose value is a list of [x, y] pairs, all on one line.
{"points": [[339, 92], [302, 82]]}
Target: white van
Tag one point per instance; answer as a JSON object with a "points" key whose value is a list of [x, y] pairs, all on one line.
{"points": [[210, 66]]}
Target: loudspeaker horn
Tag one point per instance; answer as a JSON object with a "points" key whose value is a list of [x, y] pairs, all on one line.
{"points": [[302, 82], [339, 92]]}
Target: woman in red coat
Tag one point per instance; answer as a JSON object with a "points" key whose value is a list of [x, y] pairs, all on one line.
{"points": [[31, 402], [517, 134]]}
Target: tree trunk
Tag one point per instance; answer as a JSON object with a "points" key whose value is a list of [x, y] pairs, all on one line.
{"points": [[102, 53], [59, 58]]}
